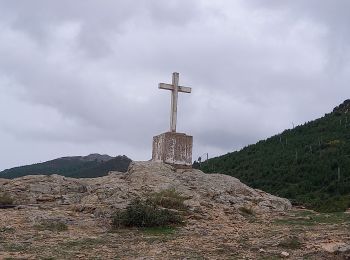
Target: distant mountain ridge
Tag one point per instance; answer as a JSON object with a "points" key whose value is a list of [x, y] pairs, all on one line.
{"points": [[90, 166], [90, 157], [310, 164]]}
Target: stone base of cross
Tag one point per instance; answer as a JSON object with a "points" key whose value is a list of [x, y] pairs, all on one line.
{"points": [[174, 149], [171, 147]]}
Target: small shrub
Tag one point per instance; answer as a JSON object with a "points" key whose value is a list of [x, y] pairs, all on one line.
{"points": [[145, 214], [169, 199], [5, 199], [159, 209]]}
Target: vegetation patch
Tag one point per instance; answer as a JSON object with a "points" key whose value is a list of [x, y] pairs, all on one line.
{"points": [[162, 209], [247, 211], [159, 231], [291, 243], [90, 166], [308, 164], [168, 198], [52, 225], [15, 247], [309, 218], [7, 229], [140, 213], [332, 204], [5, 199], [85, 242]]}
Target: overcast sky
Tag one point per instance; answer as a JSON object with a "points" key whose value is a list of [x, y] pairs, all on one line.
{"points": [[79, 77]]}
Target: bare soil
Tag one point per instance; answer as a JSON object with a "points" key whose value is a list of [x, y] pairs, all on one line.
{"points": [[215, 234]]}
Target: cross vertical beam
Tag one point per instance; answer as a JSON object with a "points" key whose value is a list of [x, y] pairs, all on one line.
{"points": [[175, 89], [174, 96]]}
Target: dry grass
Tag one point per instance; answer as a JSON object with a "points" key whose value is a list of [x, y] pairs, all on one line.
{"points": [[5, 199]]}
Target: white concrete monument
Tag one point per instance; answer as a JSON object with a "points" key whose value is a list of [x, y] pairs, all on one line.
{"points": [[172, 147]]}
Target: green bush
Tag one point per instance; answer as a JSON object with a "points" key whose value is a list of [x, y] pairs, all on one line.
{"points": [[5, 199], [141, 213]]}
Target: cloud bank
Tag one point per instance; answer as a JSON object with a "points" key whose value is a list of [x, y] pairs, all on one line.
{"points": [[81, 77]]}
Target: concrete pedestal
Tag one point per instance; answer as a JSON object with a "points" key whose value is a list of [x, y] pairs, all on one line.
{"points": [[174, 149]]}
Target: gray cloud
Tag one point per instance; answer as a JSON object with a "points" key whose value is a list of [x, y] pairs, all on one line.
{"points": [[80, 77]]}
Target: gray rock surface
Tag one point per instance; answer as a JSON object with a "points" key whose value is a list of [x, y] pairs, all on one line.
{"points": [[105, 194]]}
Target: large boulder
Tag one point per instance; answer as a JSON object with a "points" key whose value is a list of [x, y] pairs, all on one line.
{"points": [[142, 178]]}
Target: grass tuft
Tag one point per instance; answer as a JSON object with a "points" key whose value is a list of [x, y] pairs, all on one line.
{"points": [[168, 198], [159, 231], [247, 211]]}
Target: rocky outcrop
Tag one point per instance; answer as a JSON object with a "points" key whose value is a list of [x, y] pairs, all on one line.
{"points": [[105, 194]]}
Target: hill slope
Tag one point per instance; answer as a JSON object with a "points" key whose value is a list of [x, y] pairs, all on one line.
{"points": [[309, 164], [93, 165], [67, 218]]}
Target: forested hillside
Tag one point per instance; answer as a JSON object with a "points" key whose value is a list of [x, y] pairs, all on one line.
{"points": [[310, 164], [93, 165]]}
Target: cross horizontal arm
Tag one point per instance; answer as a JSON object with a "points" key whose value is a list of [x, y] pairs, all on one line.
{"points": [[171, 87]]}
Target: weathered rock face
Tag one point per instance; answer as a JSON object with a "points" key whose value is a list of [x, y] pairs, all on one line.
{"points": [[104, 194]]}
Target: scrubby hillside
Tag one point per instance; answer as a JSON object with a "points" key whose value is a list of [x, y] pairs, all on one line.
{"points": [[309, 164], [93, 165]]}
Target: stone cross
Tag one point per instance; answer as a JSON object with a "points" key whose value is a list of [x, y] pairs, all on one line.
{"points": [[175, 88]]}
